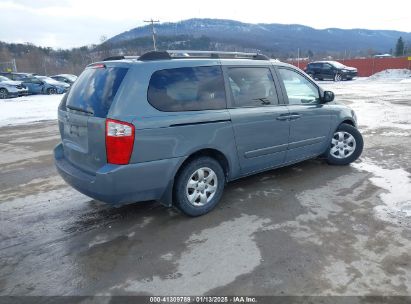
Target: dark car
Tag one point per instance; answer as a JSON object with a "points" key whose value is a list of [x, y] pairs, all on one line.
{"points": [[67, 78], [330, 70], [176, 128]]}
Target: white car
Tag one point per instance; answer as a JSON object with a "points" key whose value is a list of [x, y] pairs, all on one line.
{"points": [[10, 88]]}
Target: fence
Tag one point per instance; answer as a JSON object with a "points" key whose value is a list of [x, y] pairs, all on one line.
{"points": [[369, 66]]}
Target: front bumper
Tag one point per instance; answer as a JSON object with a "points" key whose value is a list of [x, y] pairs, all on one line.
{"points": [[121, 184], [350, 75], [14, 92]]}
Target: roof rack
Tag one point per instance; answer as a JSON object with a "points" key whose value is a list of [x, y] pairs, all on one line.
{"points": [[187, 54], [120, 57]]}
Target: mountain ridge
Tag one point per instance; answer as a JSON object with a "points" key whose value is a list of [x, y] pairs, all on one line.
{"points": [[273, 36]]}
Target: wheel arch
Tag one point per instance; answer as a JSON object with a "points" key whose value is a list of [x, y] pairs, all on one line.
{"points": [[167, 197], [348, 122], [210, 152]]}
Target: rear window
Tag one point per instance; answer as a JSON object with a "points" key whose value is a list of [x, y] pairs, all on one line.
{"points": [[187, 89], [95, 89]]}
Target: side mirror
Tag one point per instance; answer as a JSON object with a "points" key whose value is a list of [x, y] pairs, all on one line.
{"points": [[328, 96]]}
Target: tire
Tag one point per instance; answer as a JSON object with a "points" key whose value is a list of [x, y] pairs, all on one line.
{"points": [[346, 145], [189, 184], [51, 91], [337, 77], [4, 93]]}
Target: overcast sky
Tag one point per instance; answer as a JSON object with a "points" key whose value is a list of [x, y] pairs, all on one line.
{"points": [[71, 23]]}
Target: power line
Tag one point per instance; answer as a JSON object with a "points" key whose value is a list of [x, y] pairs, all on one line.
{"points": [[153, 31]]}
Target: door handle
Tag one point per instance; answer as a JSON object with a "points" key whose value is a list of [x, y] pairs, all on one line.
{"points": [[283, 117]]}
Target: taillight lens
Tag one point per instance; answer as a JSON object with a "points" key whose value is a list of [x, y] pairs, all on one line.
{"points": [[119, 141]]}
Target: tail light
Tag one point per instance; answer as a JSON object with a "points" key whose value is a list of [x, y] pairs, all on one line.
{"points": [[119, 141]]}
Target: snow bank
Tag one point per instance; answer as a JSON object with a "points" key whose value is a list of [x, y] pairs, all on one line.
{"points": [[391, 74], [383, 114], [28, 109]]}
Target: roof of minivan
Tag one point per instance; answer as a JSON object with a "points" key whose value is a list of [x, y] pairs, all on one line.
{"points": [[197, 62], [154, 65], [193, 56]]}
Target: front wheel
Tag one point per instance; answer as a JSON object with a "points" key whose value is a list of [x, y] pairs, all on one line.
{"points": [[346, 145], [3, 93], [199, 186], [337, 77]]}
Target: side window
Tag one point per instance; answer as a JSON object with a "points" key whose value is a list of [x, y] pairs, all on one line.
{"points": [[187, 89], [327, 66], [299, 89], [252, 87]]}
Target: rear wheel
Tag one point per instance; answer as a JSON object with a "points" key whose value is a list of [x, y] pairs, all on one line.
{"points": [[3, 93], [199, 186], [346, 145]]}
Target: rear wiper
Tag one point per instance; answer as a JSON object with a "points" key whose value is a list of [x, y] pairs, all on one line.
{"points": [[80, 109]]}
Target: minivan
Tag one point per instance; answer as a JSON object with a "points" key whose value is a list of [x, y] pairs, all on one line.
{"points": [[176, 126]]}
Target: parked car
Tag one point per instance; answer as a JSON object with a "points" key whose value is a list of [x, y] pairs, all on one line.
{"points": [[330, 70], [67, 78], [16, 76], [10, 88], [176, 129], [44, 85]]}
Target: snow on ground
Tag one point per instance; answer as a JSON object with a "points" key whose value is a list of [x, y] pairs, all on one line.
{"points": [[28, 109], [391, 74]]}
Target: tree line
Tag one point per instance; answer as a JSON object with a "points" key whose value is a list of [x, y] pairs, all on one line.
{"points": [[48, 61]]}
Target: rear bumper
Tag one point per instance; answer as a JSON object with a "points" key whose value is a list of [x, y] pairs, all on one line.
{"points": [[23, 93], [121, 184]]}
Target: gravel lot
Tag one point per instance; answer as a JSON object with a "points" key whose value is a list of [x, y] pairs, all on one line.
{"points": [[307, 229]]}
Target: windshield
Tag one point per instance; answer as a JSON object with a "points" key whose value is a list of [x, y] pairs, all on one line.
{"points": [[94, 90], [337, 64], [2, 78], [45, 78]]}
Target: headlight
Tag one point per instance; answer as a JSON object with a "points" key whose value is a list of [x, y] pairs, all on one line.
{"points": [[345, 71]]}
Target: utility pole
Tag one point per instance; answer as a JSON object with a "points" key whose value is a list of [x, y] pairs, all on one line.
{"points": [[153, 31], [14, 65]]}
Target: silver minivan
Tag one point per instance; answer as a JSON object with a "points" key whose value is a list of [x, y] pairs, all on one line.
{"points": [[176, 126]]}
